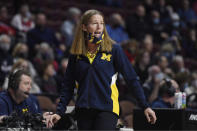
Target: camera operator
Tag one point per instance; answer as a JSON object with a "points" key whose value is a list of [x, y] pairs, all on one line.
{"points": [[17, 97]]}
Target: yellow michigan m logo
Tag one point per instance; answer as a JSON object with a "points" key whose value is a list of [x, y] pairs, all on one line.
{"points": [[106, 57], [24, 110]]}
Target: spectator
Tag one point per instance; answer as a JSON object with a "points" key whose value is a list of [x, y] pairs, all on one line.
{"points": [[6, 60], [189, 46], [116, 28], [142, 64], [193, 84], [23, 22], [131, 49], [168, 51], [147, 45], [41, 33], [44, 53], [47, 82], [164, 10], [178, 64], [175, 27], [187, 14], [167, 90], [149, 6], [20, 50], [136, 24], [156, 26], [69, 25], [5, 28], [163, 63], [151, 86]]}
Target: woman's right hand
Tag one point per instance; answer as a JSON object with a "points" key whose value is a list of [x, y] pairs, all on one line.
{"points": [[50, 121]]}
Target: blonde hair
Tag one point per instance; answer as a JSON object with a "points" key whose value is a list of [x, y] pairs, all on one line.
{"points": [[18, 64], [79, 46], [17, 48]]}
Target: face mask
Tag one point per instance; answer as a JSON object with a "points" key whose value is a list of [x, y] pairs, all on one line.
{"points": [[23, 55], [94, 40], [156, 21], [176, 24], [45, 56], [159, 76], [5, 46]]}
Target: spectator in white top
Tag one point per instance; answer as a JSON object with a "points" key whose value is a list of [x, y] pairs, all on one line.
{"points": [[178, 64], [23, 20], [69, 25]]}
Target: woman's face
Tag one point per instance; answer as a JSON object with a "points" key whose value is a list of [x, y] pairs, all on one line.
{"points": [[25, 65], [95, 25], [50, 70], [146, 58]]}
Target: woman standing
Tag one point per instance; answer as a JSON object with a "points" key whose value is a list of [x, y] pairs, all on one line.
{"points": [[94, 64]]}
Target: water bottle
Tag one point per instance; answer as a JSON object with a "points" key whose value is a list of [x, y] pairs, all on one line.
{"points": [[178, 100]]}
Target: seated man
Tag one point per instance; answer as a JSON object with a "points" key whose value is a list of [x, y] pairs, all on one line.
{"points": [[167, 90], [17, 98]]}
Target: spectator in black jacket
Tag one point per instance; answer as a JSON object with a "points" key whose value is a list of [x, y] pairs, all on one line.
{"points": [[137, 25]]}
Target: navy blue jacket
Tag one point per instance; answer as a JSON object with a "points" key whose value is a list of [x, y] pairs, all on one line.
{"points": [[97, 81], [38, 35], [7, 104], [159, 103]]}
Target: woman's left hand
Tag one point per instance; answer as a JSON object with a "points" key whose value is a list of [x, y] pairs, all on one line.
{"points": [[46, 116], [150, 115]]}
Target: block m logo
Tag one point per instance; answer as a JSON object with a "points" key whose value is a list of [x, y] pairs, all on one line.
{"points": [[106, 57]]}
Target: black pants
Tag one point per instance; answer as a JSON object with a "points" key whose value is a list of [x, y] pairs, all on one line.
{"points": [[93, 119]]}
